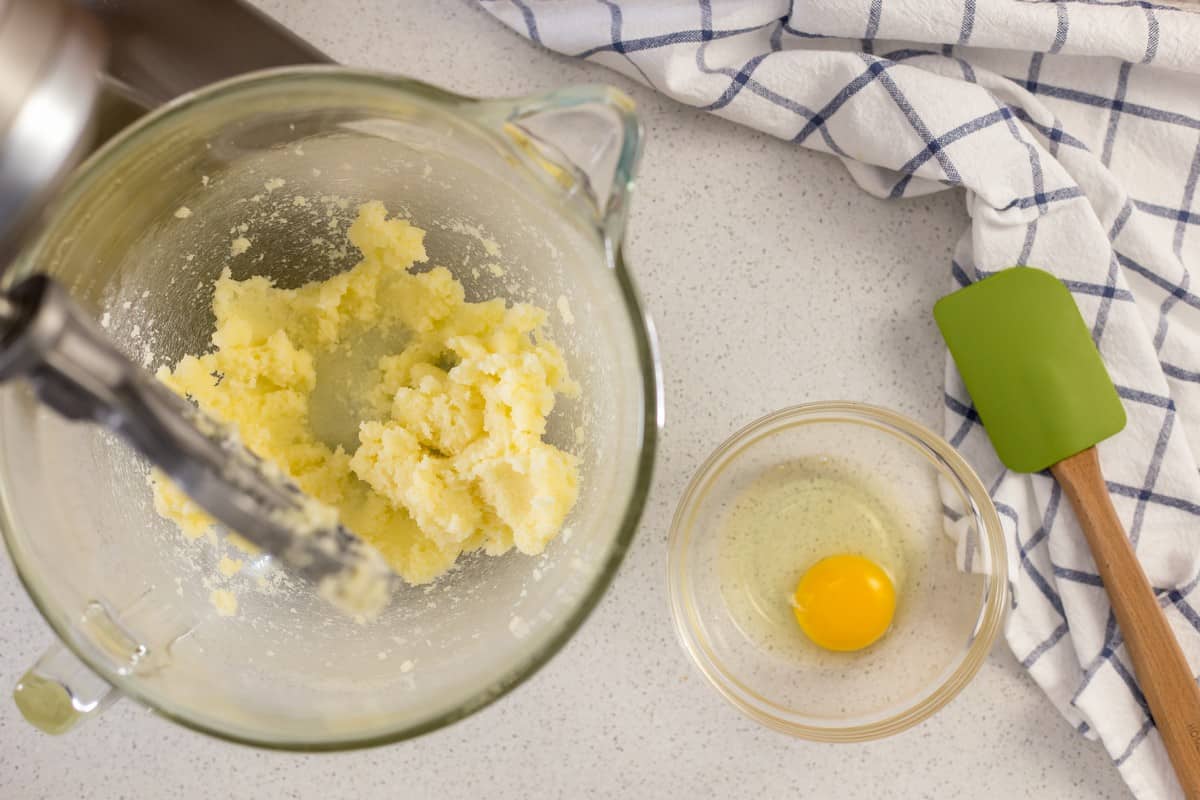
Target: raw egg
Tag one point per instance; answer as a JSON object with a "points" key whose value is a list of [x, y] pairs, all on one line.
{"points": [[845, 602]]}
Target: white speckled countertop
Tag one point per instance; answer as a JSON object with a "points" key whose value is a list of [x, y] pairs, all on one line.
{"points": [[729, 228]]}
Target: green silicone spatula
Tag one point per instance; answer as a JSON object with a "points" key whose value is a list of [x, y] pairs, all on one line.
{"points": [[1045, 398]]}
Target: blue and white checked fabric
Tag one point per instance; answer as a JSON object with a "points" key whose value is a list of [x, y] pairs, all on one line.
{"points": [[1075, 128]]}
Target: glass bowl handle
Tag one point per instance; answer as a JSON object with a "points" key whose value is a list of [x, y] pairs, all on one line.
{"points": [[60, 691], [585, 141]]}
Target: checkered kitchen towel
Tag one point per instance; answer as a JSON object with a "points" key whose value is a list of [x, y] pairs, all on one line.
{"points": [[1075, 128]]}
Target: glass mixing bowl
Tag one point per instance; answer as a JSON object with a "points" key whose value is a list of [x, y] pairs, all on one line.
{"points": [[911, 484], [523, 199]]}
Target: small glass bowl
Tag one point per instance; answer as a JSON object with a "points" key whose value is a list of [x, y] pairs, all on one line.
{"points": [[951, 596]]}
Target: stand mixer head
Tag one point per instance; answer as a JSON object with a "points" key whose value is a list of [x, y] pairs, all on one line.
{"points": [[51, 55], [50, 58]]}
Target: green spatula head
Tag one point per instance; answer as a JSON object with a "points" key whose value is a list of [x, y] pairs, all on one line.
{"points": [[1028, 361]]}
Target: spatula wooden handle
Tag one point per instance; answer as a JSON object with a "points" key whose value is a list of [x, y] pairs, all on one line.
{"points": [[1162, 671]]}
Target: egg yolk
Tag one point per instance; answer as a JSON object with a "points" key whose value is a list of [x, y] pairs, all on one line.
{"points": [[844, 602]]}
